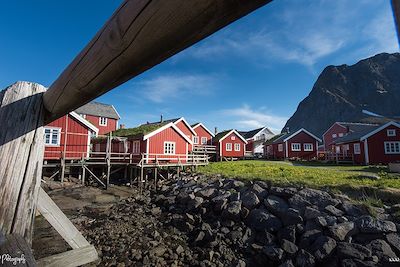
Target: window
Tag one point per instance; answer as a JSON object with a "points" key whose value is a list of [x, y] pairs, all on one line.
{"points": [[204, 140], [340, 134], [357, 149], [169, 148], [391, 132], [392, 147], [237, 147], [52, 136], [296, 147], [334, 135], [228, 147], [136, 147], [233, 137], [308, 147], [195, 140], [280, 147], [103, 121]]}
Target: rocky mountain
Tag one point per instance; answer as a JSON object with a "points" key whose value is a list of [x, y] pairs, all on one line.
{"points": [[345, 93]]}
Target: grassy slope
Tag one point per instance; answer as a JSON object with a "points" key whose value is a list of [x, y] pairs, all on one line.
{"points": [[317, 176]]}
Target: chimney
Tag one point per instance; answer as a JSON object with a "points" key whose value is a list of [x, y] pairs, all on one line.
{"points": [[287, 130], [215, 130], [122, 126], [161, 118]]}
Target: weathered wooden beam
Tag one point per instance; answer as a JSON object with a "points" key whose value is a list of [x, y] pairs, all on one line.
{"points": [[21, 156], [71, 258], [138, 36], [15, 251], [396, 13]]}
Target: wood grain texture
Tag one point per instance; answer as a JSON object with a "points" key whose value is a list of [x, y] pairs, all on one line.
{"points": [[71, 258], [396, 13], [60, 222], [21, 156], [15, 246], [139, 35]]}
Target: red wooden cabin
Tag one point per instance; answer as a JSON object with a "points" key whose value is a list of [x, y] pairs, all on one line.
{"points": [[163, 142], [298, 145], [203, 135], [68, 136], [105, 117], [230, 144], [255, 140], [340, 129], [377, 145]]}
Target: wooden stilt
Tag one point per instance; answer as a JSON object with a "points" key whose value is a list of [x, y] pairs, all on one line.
{"points": [[83, 174], [62, 169], [141, 179], [155, 178]]}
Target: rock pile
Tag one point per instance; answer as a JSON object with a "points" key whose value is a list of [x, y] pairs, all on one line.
{"points": [[226, 222]]}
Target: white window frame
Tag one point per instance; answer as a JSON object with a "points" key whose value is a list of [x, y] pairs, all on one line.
{"points": [[334, 135], [294, 145], [237, 147], [101, 123], [308, 147], [136, 147], [195, 140], [392, 148], [204, 140], [228, 146], [52, 131], [280, 147], [233, 137], [169, 148], [391, 132], [340, 134], [357, 148]]}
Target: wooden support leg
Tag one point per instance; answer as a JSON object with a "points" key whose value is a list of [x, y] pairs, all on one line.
{"points": [[21, 156], [155, 178], [62, 170], [108, 174], [141, 179], [83, 174]]}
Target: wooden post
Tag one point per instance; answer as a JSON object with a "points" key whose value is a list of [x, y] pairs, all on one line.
{"points": [[21, 156], [83, 173], [62, 168], [155, 178]]}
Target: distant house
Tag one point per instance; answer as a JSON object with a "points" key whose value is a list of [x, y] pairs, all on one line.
{"points": [[230, 144], [68, 137], [203, 135], [298, 145], [340, 129], [255, 140], [163, 142], [182, 124], [105, 117], [372, 145]]}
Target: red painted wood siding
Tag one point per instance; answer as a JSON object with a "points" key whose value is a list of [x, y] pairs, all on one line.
{"points": [[222, 146], [111, 124], [327, 137], [185, 129], [76, 143], [201, 132], [274, 152], [358, 158], [156, 144], [302, 138], [376, 149], [250, 145]]}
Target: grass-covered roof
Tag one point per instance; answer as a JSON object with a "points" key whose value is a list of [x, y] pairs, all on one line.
{"points": [[141, 130]]}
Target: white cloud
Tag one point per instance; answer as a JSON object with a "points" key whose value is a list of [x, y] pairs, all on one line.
{"points": [[164, 87], [305, 32], [246, 118]]}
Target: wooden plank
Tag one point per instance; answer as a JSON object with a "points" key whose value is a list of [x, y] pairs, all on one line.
{"points": [[138, 36], [396, 13], [60, 222], [94, 176], [21, 156], [15, 251], [71, 258]]}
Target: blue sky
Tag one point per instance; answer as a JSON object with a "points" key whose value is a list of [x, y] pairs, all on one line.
{"points": [[250, 74]]}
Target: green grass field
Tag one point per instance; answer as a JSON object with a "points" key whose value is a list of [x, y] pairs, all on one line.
{"points": [[316, 175]]}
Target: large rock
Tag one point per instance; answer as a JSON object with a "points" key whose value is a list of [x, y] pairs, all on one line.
{"points": [[291, 217], [334, 211], [311, 213], [289, 247], [382, 249], [232, 211], [342, 231], [259, 190], [323, 247], [250, 200], [207, 192], [194, 203], [354, 210], [305, 259], [273, 253], [285, 192], [346, 250], [309, 237], [316, 197], [261, 220], [394, 240], [276, 205], [368, 224]]}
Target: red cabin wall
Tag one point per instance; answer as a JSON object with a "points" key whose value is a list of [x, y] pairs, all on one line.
{"points": [[156, 144], [250, 145], [302, 138], [111, 124], [185, 129], [376, 149], [327, 137], [77, 140], [201, 132], [274, 151], [222, 146]]}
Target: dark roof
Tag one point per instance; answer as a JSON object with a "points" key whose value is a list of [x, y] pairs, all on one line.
{"points": [[356, 126], [164, 121], [277, 138], [219, 135], [356, 135], [252, 133], [138, 131], [98, 109]]}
